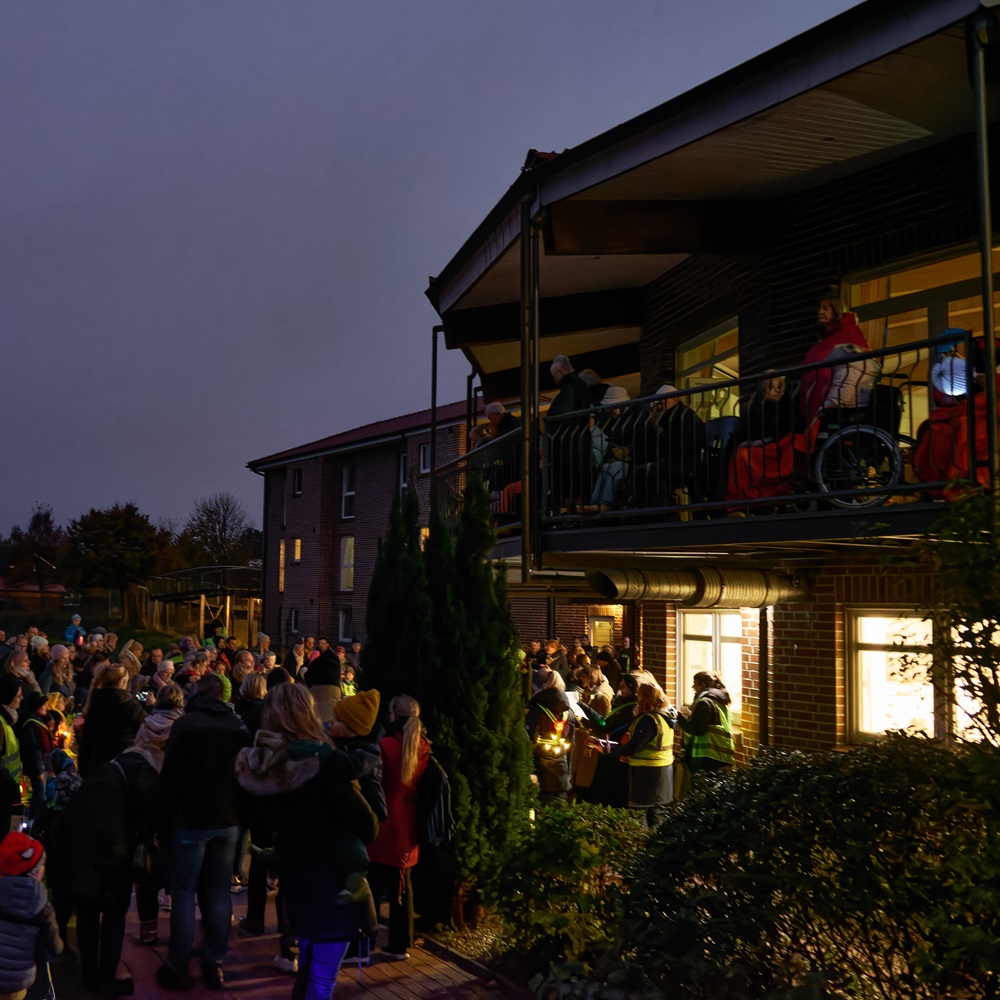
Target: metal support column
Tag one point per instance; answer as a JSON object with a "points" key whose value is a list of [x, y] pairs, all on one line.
{"points": [[530, 492], [981, 29], [434, 417]]}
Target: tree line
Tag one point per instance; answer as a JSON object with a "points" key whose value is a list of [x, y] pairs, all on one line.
{"points": [[120, 545]]}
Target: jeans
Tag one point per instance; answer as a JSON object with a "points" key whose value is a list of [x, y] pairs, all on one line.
{"points": [[201, 864], [319, 963]]}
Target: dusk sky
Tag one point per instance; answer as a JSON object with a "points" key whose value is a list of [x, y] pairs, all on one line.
{"points": [[219, 218]]}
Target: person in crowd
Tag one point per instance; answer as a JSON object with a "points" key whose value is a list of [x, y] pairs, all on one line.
{"points": [[555, 659], [610, 783], [567, 441], [405, 752], [35, 739], [40, 654], [58, 674], [610, 667], [152, 661], [17, 665], [550, 730], [625, 657], [668, 452], [708, 727], [844, 382], [29, 937], [649, 750], [296, 658], [111, 814], [299, 788], [323, 679], [262, 645], [164, 675], [199, 820], [11, 809], [594, 689], [611, 449], [250, 704], [768, 449], [74, 633], [110, 719], [151, 742], [352, 731]]}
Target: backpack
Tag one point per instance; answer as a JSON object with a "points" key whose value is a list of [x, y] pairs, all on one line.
{"points": [[435, 823]]}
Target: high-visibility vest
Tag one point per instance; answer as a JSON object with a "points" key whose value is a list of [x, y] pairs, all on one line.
{"points": [[11, 759], [659, 751], [717, 742]]}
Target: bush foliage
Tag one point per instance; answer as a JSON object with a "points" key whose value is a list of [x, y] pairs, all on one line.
{"points": [[873, 873]]}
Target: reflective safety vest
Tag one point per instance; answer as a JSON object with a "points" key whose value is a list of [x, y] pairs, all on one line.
{"points": [[717, 742], [554, 743], [11, 760], [659, 751]]}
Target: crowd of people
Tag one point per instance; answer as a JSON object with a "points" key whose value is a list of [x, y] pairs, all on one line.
{"points": [[602, 730], [185, 774], [602, 454]]}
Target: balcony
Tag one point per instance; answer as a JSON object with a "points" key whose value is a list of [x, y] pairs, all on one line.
{"points": [[813, 454]]}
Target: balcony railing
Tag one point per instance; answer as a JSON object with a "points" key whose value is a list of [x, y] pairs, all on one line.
{"points": [[859, 431]]}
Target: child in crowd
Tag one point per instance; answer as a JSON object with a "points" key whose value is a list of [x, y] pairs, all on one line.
{"points": [[29, 938]]}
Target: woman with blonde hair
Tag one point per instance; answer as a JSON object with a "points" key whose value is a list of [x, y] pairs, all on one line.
{"points": [[303, 802], [405, 752]]}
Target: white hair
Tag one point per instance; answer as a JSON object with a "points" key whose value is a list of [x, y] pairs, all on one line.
{"points": [[498, 408], [561, 363]]}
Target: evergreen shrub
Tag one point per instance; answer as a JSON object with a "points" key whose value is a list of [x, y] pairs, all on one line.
{"points": [[871, 873]]}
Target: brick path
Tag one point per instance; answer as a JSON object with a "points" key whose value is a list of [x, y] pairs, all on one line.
{"points": [[431, 973]]}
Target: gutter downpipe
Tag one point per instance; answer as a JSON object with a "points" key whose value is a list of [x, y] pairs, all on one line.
{"points": [[978, 28], [530, 496], [434, 416]]}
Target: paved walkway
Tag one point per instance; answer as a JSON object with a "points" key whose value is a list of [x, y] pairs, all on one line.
{"points": [[431, 973]]}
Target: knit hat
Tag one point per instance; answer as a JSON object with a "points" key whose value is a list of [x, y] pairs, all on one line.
{"points": [[20, 855], [9, 686], [37, 642], [75, 618], [359, 711], [57, 651], [34, 700]]}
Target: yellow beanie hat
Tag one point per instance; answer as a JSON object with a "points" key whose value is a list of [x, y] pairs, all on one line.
{"points": [[359, 711]]}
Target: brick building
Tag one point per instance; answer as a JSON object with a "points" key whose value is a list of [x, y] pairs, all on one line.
{"points": [[327, 503], [688, 249]]}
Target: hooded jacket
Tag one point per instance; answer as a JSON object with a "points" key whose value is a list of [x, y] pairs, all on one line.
{"points": [[28, 932]]}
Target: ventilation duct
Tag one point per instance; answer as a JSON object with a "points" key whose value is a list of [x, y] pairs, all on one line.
{"points": [[698, 587]]}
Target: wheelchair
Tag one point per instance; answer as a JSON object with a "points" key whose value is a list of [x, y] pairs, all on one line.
{"points": [[859, 452]]}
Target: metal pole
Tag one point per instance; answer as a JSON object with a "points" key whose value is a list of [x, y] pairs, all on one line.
{"points": [[434, 415], [978, 28], [528, 405]]}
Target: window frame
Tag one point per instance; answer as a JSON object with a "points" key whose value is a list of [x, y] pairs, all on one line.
{"points": [[347, 542], [349, 491], [717, 640], [424, 458], [281, 565], [297, 482]]}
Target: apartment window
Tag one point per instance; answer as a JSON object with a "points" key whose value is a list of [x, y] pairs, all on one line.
{"points": [[402, 471], [889, 653], [713, 356], [602, 631], [916, 303], [425, 458], [712, 641], [296, 482], [281, 566], [297, 550], [346, 625], [293, 621], [349, 490], [347, 563]]}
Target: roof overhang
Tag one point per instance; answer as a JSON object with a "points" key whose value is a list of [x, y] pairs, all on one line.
{"points": [[707, 172]]}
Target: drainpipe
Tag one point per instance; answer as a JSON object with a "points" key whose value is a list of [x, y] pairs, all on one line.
{"points": [[764, 675], [980, 31], [434, 416]]}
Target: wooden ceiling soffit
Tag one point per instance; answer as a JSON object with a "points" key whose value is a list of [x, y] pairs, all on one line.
{"points": [[615, 361], [660, 227], [565, 314]]}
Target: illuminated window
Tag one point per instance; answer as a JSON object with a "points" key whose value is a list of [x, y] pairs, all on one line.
{"points": [[297, 550], [349, 491], [713, 356], [711, 641], [281, 565], [890, 673], [347, 563]]}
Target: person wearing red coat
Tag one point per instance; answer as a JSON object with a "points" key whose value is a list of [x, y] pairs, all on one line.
{"points": [[405, 752]]}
